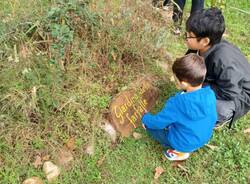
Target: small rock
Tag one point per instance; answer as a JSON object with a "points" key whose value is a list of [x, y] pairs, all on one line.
{"points": [[33, 180], [108, 128], [137, 135], [51, 170], [90, 149], [247, 131]]}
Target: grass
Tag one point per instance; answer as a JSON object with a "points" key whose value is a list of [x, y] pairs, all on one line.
{"points": [[61, 62]]}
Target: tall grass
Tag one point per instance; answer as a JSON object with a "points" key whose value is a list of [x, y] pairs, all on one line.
{"points": [[62, 61]]}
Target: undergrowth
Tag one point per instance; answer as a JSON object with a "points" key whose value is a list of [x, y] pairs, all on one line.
{"points": [[61, 62]]}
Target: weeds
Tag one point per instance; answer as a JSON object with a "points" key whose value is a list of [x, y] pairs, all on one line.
{"points": [[61, 62]]}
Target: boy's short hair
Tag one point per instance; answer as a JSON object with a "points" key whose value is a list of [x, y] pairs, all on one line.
{"points": [[207, 23], [190, 68]]}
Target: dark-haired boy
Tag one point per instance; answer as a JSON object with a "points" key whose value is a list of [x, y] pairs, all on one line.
{"points": [[228, 71], [186, 122]]}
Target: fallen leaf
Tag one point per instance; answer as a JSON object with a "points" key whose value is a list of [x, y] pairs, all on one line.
{"points": [[33, 180], [46, 157], [70, 144], [64, 157], [38, 161], [100, 161], [247, 130], [51, 170], [137, 135], [158, 171], [212, 147]]}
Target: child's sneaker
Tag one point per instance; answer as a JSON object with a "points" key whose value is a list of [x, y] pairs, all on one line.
{"points": [[166, 7], [174, 155], [177, 30]]}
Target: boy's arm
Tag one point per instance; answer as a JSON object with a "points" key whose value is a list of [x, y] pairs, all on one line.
{"points": [[162, 119], [228, 79]]}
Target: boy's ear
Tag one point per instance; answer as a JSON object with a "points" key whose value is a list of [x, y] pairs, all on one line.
{"points": [[205, 41]]}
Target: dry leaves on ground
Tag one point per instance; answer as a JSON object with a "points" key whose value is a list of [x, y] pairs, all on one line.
{"points": [[247, 131], [71, 144], [158, 171], [64, 157], [38, 161], [212, 147], [137, 135]]}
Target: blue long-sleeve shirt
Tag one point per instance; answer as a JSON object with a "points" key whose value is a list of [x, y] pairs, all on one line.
{"points": [[190, 117]]}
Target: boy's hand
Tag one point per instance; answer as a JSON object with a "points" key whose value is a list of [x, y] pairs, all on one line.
{"points": [[143, 126]]}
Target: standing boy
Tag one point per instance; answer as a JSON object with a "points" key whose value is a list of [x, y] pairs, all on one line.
{"points": [[228, 71], [186, 122]]}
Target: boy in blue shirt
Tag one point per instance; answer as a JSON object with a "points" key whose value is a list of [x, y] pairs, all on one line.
{"points": [[187, 120]]}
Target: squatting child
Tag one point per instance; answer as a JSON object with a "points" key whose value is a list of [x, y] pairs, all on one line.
{"points": [[228, 71], [187, 120]]}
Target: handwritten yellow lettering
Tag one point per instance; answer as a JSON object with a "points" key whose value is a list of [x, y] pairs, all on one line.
{"points": [[119, 115], [124, 108], [130, 120], [129, 102]]}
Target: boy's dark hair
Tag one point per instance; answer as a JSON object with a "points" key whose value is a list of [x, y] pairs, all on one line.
{"points": [[190, 68], [207, 23]]}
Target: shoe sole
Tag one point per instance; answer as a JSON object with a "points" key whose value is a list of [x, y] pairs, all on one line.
{"points": [[179, 159]]}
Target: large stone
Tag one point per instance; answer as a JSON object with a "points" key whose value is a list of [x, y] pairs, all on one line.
{"points": [[128, 107], [33, 180], [109, 129], [51, 170]]}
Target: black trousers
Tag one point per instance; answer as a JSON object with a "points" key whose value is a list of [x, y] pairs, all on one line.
{"points": [[179, 6], [225, 110]]}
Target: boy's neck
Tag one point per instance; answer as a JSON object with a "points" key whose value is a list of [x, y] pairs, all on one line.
{"points": [[192, 88], [204, 50]]}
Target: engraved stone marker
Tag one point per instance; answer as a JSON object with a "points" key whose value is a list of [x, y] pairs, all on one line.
{"points": [[127, 108]]}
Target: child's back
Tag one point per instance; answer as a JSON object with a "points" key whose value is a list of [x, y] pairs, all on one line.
{"points": [[195, 119], [187, 120]]}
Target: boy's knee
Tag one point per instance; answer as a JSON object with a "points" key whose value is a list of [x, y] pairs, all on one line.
{"points": [[225, 110]]}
